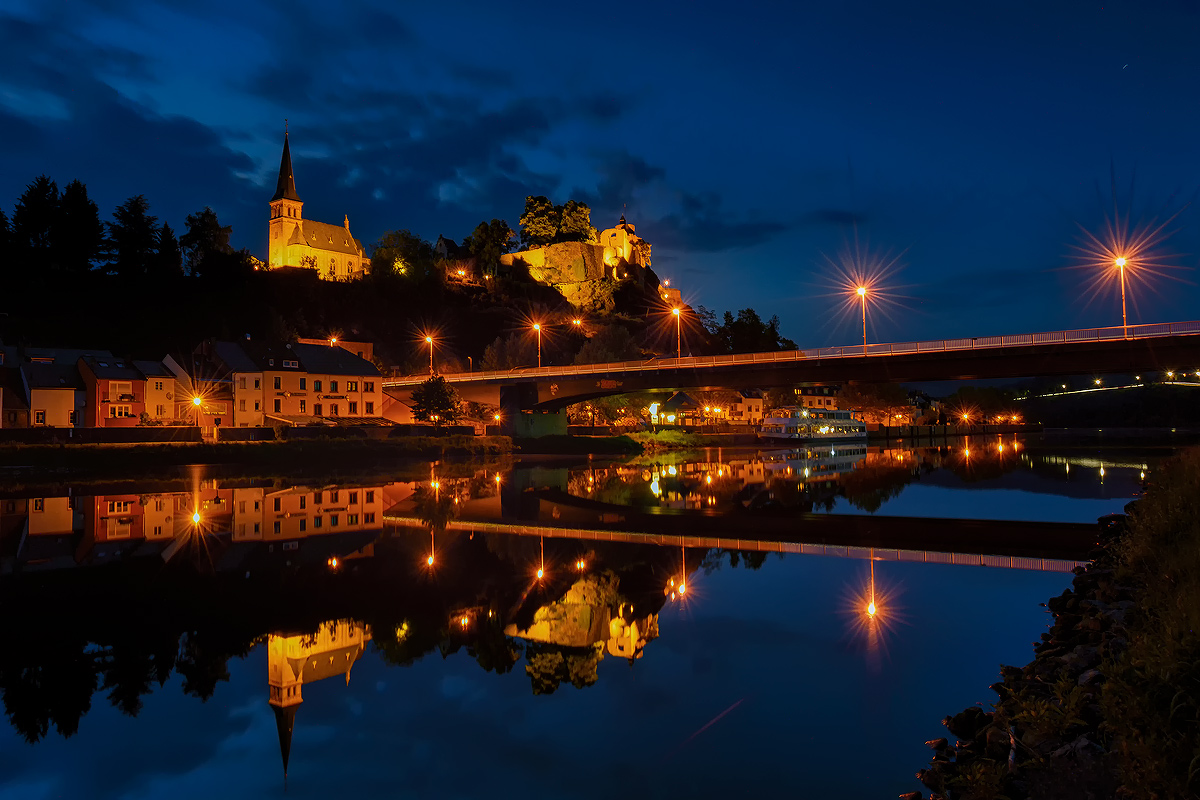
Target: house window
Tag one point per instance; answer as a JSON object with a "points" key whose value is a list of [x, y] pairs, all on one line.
{"points": [[256, 405], [270, 362], [241, 405], [158, 530], [115, 411], [257, 528], [275, 527], [352, 519], [39, 417], [158, 386], [316, 522], [333, 386], [354, 497], [278, 405], [333, 409], [351, 386], [303, 525], [368, 386], [303, 384], [119, 388], [257, 384], [302, 404], [120, 506], [39, 504], [333, 520], [316, 386], [277, 383], [277, 504], [160, 411], [370, 408], [71, 417], [353, 407], [292, 364], [242, 382], [241, 506], [333, 496], [369, 519], [370, 496], [303, 501], [317, 409]]}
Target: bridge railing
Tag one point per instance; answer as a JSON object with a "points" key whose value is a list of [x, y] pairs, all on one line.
{"points": [[1146, 331]]}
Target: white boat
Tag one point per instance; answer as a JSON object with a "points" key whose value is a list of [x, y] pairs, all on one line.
{"points": [[812, 424]]}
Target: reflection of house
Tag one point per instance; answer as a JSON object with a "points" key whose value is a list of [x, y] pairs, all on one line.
{"points": [[629, 639], [293, 661], [296, 513]]}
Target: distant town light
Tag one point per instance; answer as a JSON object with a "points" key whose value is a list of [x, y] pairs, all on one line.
{"points": [[576, 322]]}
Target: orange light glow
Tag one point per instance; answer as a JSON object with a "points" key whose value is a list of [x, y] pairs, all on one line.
{"points": [[682, 587], [196, 401], [576, 322], [540, 572], [429, 560], [862, 291], [537, 326], [675, 311], [428, 340], [196, 518]]}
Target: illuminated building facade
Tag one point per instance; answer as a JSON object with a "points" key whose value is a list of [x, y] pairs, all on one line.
{"points": [[330, 250]]}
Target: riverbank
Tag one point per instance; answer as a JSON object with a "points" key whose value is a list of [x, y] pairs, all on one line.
{"points": [[1110, 704], [23, 463]]}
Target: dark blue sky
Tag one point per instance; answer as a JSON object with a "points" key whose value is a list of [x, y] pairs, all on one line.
{"points": [[749, 141]]}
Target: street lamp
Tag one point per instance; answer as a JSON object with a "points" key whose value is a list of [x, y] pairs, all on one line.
{"points": [[862, 295], [537, 328], [1120, 263], [678, 334], [429, 341]]}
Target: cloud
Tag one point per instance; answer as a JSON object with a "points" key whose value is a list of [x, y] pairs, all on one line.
{"points": [[834, 216], [703, 225]]}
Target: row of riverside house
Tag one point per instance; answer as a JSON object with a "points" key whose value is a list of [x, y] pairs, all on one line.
{"points": [[219, 384]]}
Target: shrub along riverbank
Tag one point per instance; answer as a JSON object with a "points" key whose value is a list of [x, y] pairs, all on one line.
{"points": [[21, 462], [1110, 705]]}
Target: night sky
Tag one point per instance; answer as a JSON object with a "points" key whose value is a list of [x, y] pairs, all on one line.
{"points": [[750, 142]]}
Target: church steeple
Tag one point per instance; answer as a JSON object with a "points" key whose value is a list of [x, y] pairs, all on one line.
{"points": [[285, 189], [285, 720]]}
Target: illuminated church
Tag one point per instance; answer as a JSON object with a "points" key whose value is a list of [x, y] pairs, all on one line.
{"points": [[297, 242]]}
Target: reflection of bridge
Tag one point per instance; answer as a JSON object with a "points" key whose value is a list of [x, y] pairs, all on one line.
{"points": [[1162, 346], [1054, 547]]}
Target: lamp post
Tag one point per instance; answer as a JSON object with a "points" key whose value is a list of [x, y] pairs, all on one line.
{"points": [[429, 341], [678, 335], [1120, 263], [537, 328], [862, 296]]}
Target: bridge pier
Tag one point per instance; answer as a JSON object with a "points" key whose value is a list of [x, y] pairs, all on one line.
{"points": [[522, 424]]}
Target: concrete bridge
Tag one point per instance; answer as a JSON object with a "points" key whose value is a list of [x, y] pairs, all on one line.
{"points": [[524, 394]]}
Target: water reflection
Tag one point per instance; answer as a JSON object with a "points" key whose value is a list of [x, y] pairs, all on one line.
{"points": [[554, 568]]}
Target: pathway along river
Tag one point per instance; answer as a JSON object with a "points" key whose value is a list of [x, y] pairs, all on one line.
{"points": [[393, 639]]}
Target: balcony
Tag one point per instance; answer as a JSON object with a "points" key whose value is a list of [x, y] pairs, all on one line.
{"points": [[124, 397]]}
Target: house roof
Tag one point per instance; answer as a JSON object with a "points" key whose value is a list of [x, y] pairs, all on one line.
{"points": [[285, 187], [14, 391], [233, 357], [332, 360], [113, 369], [327, 237], [153, 369], [52, 376], [61, 355], [679, 400]]}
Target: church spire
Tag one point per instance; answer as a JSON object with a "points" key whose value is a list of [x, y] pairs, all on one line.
{"points": [[285, 720], [285, 189]]}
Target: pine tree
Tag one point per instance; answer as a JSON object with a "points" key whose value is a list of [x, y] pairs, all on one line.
{"points": [[133, 238], [205, 243], [78, 234], [168, 259], [5, 244], [33, 223]]}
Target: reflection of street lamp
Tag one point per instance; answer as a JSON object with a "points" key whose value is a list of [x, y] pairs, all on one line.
{"points": [[678, 335], [1120, 263], [537, 328], [862, 295]]}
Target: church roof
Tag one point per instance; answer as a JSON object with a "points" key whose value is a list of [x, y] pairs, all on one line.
{"points": [[324, 236], [285, 721], [285, 188]]}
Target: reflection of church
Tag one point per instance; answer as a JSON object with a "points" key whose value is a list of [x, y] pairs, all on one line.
{"points": [[293, 661]]}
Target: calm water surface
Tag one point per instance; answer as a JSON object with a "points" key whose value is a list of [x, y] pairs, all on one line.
{"points": [[189, 659]]}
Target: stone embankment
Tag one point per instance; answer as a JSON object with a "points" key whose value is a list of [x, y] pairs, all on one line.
{"points": [[1108, 706]]}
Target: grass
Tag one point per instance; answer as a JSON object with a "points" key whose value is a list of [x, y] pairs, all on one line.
{"points": [[1151, 700]]}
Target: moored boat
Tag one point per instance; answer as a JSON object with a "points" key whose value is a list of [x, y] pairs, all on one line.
{"points": [[812, 424]]}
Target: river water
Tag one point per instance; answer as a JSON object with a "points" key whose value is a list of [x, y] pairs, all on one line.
{"points": [[393, 638]]}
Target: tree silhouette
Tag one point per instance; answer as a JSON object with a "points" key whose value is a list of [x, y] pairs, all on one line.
{"points": [[205, 245], [78, 234], [34, 219], [133, 238], [608, 343], [168, 259], [435, 401], [487, 243]]}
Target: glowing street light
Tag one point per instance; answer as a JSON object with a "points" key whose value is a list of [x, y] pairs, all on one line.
{"points": [[537, 328], [577, 322], [196, 518], [429, 341], [1120, 263], [196, 401], [678, 334], [862, 296]]}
